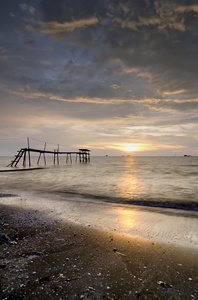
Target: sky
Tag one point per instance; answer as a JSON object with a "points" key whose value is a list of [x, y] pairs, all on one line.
{"points": [[118, 77]]}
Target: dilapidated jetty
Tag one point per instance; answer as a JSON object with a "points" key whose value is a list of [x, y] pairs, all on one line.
{"points": [[83, 155]]}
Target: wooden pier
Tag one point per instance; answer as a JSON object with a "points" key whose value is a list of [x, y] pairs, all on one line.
{"points": [[25, 154]]}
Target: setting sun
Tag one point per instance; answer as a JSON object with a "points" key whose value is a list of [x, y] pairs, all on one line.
{"points": [[130, 147]]}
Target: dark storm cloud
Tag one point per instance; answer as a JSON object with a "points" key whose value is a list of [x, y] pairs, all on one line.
{"points": [[68, 10], [155, 37]]}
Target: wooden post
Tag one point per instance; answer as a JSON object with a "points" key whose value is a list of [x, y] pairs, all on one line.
{"points": [[54, 156], [24, 159], [39, 158], [29, 151], [44, 154], [57, 155]]}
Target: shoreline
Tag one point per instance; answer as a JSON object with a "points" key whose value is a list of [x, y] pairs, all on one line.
{"points": [[155, 224], [44, 256]]}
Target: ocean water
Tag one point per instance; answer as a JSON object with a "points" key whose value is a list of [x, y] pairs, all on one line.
{"points": [[152, 197], [167, 182]]}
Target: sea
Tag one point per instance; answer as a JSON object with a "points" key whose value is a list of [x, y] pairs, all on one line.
{"points": [[163, 191]]}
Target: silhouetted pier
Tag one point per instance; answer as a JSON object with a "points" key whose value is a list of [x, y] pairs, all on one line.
{"points": [[83, 155]]}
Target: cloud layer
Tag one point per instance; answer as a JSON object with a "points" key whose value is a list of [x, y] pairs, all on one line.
{"points": [[120, 71]]}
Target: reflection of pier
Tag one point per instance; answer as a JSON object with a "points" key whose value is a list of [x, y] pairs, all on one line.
{"points": [[25, 153]]}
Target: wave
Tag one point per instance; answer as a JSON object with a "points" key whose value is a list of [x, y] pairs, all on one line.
{"points": [[162, 203], [3, 195]]}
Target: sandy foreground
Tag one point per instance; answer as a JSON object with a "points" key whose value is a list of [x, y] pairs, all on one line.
{"points": [[43, 256]]}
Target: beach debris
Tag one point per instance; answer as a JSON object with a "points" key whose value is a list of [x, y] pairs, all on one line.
{"points": [[116, 251], [164, 284], [4, 239], [68, 279], [120, 253], [30, 254], [67, 259]]}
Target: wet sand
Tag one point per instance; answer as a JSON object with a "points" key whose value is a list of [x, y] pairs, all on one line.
{"points": [[43, 256]]}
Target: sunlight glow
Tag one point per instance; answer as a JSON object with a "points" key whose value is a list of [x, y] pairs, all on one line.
{"points": [[130, 147]]}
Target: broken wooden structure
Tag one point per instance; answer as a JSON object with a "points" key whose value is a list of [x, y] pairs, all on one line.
{"points": [[25, 153]]}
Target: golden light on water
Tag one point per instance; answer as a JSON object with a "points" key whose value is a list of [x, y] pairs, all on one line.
{"points": [[127, 218]]}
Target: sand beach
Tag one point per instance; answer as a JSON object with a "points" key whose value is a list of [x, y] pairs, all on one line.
{"points": [[44, 256]]}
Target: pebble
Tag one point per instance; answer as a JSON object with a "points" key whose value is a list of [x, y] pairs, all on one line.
{"points": [[164, 284]]}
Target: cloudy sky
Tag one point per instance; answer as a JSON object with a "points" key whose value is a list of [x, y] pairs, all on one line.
{"points": [[114, 76]]}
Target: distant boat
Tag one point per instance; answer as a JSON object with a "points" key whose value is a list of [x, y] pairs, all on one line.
{"points": [[186, 155]]}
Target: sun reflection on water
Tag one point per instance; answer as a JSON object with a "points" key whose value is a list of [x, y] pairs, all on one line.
{"points": [[126, 217], [130, 184]]}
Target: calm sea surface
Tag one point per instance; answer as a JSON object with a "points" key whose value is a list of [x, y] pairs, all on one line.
{"points": [[170, 182]]}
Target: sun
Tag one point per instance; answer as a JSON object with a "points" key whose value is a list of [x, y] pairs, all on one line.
{"points": [[130, 148]]}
